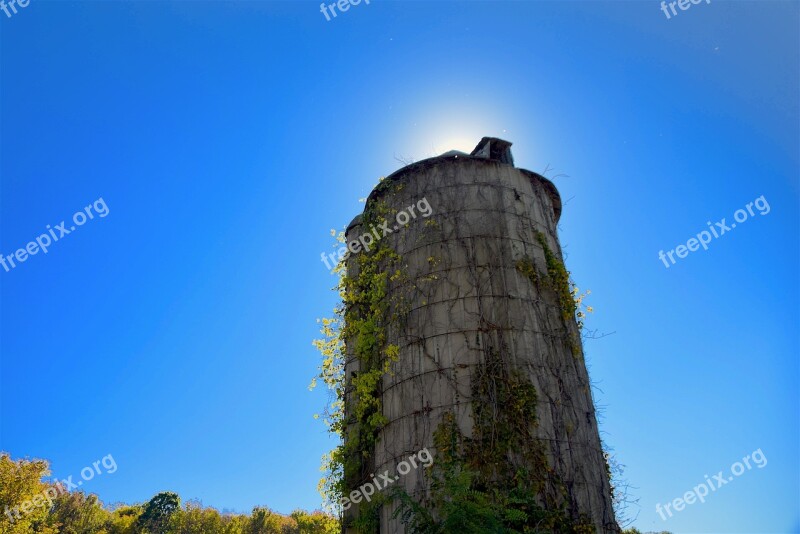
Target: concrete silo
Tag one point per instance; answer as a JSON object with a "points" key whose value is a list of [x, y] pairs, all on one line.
{"points": [[462, 339]]}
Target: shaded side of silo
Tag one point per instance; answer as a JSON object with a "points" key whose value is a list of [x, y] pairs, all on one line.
{"points": [[476, 344]]}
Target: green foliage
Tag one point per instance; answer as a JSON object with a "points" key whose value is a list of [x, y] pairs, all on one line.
{"points": [[497, 480], [195, 518], [362, 319], [21, 483], [504, 412], [123, 520], [157, 512], [528, 269], [315, 523], [367, 521], [558, 279], [78, 513], [459, 507], [264, 520]]}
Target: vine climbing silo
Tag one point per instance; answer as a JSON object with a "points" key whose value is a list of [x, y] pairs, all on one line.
{"points": [[461, 338]]}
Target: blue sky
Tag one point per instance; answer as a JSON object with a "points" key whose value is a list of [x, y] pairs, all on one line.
{"points": [[228, 138]]}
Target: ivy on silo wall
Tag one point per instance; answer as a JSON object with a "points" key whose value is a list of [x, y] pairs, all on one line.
{"points": [[355, 414]]}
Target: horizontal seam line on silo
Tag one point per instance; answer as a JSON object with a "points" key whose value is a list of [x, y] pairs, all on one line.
{"points": [[486, 296], [469, 401], [580, 444], [467, 366], [351, 359]]}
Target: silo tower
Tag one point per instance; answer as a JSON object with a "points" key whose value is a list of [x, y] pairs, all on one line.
{"points": [[462, 339]]}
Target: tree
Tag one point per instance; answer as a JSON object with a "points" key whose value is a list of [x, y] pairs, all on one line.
{"points": [[124, 520], [157, 512], [78, 513], [23, 501], [194, 519], [265, 521], [30, 505], [315, 523]]}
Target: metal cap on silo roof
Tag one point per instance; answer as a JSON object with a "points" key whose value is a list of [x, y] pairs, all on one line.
{"points": [[494, 149]]}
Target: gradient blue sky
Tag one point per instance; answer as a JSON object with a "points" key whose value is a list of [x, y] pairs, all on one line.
{"points": [[228, 138]]}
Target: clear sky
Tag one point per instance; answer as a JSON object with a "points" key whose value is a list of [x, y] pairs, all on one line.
{"points": [[226, 139]]}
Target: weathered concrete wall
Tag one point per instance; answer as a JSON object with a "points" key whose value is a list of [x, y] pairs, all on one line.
{"points": [[461, 266]]}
